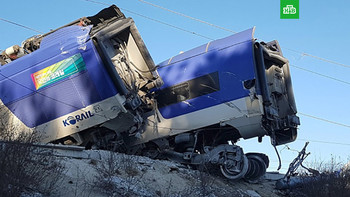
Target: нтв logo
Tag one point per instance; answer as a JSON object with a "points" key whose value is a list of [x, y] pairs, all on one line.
{"points": [[72, 120], [289, 9]]}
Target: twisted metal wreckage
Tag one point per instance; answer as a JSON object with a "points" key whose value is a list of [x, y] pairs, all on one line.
{"points": [[93, 83]]}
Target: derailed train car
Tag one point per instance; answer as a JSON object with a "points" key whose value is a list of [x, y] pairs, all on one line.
{"points": [[93, 83]]}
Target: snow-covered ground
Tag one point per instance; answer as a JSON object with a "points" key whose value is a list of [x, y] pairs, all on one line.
{"points": [[101, 173]]}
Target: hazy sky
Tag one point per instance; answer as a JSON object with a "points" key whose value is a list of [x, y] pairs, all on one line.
{"points": [[322, 31]]}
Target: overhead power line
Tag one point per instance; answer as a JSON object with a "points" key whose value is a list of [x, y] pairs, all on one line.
{"points": [[324, 142], [319, 58], [325, 120], [186, 16], [17, 24], [155, 20], [218, 27], [322, 75], [229, 30]]}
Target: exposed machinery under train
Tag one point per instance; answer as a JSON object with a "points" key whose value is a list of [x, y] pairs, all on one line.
{"points": [[93, 83]]}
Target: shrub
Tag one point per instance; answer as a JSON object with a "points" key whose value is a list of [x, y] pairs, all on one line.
{"points": [[333, 180], [24, 167]]}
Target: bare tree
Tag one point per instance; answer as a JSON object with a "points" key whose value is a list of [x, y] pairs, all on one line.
{"points": [[25, 167]]}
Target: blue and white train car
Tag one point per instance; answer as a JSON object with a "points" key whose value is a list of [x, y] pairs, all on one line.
{"points": [[233, 81], [217, 93], [74, 79]]}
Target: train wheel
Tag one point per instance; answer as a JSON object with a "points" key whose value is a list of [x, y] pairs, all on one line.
{"points": [[258, 164], [233, 169]]}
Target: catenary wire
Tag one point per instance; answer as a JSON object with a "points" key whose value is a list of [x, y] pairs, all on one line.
{"points": [[23, 26], [182, 29], [324, 120], [187, 16], [322, 75], [155, 20], [323, 142], [319, 58], [229, 30]]}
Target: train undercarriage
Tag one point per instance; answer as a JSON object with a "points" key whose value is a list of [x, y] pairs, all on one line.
{"points": [[211, 149]]}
